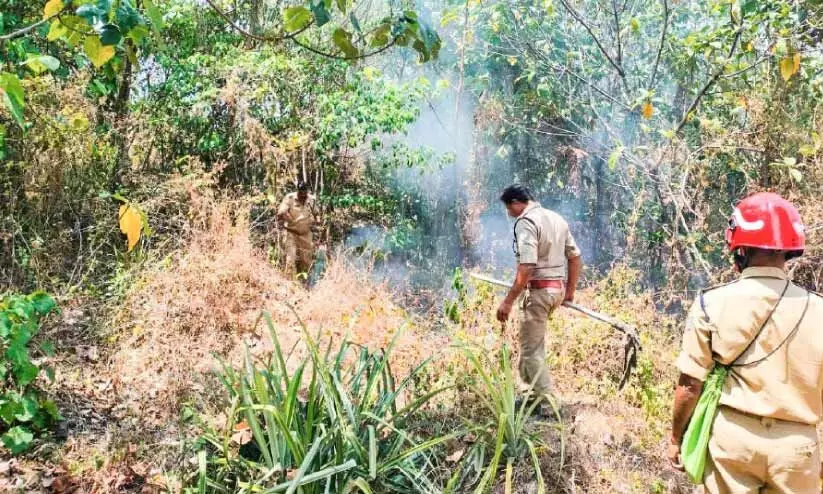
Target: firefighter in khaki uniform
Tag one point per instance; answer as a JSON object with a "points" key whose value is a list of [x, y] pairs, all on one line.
{"points": [[764, 438], [298, 212], [544, 248]]}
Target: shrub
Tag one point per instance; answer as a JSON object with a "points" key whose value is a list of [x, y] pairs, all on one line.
{"points": [[22, 410], [333, 424]]}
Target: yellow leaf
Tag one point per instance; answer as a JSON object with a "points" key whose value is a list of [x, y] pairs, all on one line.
{"points": [[786, 68], [52, 8], [796, 62], [648, 110], [57, 30], [131, 224], [97, 53]]}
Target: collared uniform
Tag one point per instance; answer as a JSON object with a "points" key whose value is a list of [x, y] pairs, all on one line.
{"points": [[764, 437], [542, 238], [299, 244]]}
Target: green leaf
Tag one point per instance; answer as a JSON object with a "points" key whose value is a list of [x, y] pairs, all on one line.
{"points": [[296, 18], [154, 14], [12, 95], [342, 5], [127, 16], [25, 373], [321, 14], [5, 325], [615, 156], [796, 174], [28, 409], [91, 13], [380, 38], [138, 33], [342, 39], [355, 23], [97, 53], [17, 439], [50, 408], [42, 303], [9, 406], [110, 35]]}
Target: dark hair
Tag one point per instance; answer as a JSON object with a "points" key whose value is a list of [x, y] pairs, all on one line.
{"points": [[302, 186], [516, 192]]}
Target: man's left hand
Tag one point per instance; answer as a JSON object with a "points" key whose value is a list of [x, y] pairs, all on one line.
{"points": [[569, 297], [673, 453], [504, 311]]}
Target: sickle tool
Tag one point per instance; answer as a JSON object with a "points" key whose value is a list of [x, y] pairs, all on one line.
{"points": [[632, 340]]}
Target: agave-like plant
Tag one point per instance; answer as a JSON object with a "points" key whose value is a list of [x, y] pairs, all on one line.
{"points": [[333, 425], [505, 434]]}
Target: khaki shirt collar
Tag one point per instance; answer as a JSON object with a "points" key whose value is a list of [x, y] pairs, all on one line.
{"points": [[532, 205], [764, 272]]}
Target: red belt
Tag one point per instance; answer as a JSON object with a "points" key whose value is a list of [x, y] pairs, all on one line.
{"points": [[537, 284]]}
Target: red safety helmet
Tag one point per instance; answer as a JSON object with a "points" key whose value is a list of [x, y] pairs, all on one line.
{"points": [[766, 221]]}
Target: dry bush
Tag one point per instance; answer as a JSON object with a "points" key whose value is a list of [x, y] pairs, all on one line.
{"points": [[206, 299]]}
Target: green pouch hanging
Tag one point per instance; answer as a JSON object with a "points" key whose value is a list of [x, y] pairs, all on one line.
{"points": [[695, 446]]}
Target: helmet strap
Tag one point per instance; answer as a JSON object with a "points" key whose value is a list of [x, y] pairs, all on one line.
{"points": [[741, 259]]}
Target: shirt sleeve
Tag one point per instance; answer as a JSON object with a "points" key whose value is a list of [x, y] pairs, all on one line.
{"points": [[572, 250], [695, 359], [526, 233]]}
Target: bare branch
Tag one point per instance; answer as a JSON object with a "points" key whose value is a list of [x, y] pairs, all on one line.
{"points": [[617, 31], [711, 81], [28, 29], [594, 37], [264, 39], [653, 79]]}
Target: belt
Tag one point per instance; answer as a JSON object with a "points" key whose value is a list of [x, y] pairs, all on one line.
{"points": [[537, 284]]}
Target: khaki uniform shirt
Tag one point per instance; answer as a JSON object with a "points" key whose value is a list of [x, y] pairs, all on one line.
{"points": [[545, 241], [302, 215], [788, 385]]}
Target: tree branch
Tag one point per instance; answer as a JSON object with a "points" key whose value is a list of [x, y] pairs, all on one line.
{"points": [[711, 81], [335, 56], [653, 80], [264, 39], [596, 40], [28, 29], [617, 31]]}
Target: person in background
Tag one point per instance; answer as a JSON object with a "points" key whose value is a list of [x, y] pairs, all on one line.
{"points": [[548, 266], [768, 330], [298, 214]]}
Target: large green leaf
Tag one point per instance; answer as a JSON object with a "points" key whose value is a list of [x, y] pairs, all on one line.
{"points": [[42, 63], [12, 95], [342, 39], [321, 13], [154, 14], [25, 373], [296, 18], [110, 35], [17, 439]]}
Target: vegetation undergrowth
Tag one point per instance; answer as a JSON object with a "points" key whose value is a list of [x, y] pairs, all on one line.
{"points": [[337, 422], [23, 409]]}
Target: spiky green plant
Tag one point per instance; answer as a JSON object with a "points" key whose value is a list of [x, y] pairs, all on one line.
{"points": [[335, 424], [505, 434]]}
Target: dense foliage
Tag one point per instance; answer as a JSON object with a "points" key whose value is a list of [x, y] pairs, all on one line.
{"points": [[23, 411]]}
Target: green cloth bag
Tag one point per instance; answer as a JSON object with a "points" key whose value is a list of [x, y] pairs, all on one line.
{"points": [[695, 446]]}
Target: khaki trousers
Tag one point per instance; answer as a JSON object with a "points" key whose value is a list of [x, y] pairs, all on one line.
{"points": [[299, 252], [538, 305], [749, 454]]}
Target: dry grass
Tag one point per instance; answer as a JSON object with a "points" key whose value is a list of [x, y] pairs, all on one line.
{"points": [[207, 299]]}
